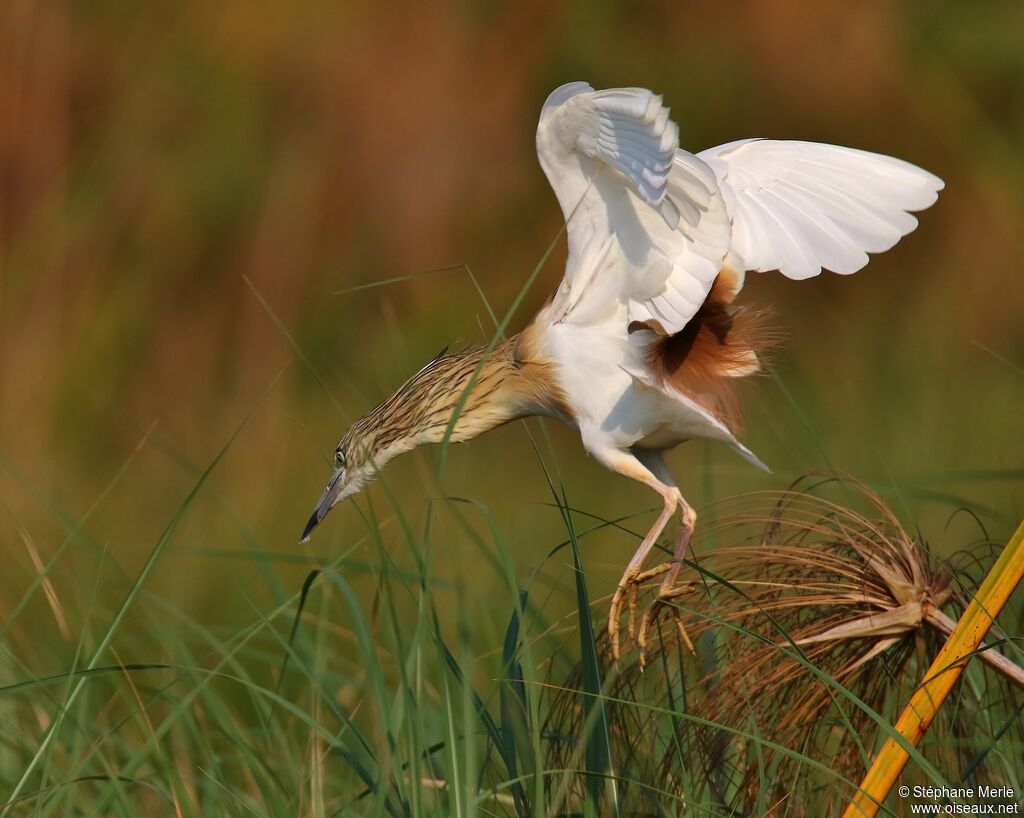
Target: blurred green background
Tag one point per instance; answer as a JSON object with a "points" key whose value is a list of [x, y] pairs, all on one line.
{"points": [[155, 156]]}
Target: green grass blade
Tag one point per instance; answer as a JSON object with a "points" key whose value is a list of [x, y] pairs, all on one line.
{"points": [[597, 737], [133, 592], [512, 699]]}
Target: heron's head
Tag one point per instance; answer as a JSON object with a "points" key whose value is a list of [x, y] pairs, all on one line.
{"points": [[351, 473], [417, 413]]}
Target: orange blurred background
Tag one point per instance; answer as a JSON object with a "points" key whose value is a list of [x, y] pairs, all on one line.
{"points": [[163, 163]]}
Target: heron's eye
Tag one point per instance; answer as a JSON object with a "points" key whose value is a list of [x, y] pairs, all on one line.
{"points": [[339, 459]]}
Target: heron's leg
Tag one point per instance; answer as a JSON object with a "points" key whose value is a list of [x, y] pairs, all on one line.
{"points": [[634, 576], [628, 465], [669, 590]]}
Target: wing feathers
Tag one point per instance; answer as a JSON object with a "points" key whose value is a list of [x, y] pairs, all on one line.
{"points": [[799, 207], [829, 243], [612, 158], [627, 129], [650, 226]]}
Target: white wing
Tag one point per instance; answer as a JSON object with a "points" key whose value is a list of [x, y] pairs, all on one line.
{"points": [[798, 207], [647, 225]]}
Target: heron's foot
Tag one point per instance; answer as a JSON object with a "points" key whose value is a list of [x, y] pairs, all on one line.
{"points": [[666, 596], [626, 595]]}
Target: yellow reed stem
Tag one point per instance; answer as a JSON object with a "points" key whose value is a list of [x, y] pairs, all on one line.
{"points": [[942, 675]]}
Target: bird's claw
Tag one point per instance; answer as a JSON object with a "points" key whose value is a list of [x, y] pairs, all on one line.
{"points": [[650, 616], [627, 591]]}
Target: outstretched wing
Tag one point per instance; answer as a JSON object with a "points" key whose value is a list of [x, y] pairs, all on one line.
{"points": [[800, 207], [627, 129], [647, 225]]}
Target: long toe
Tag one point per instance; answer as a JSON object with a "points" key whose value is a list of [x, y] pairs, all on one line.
{"points": [[676, 591]]}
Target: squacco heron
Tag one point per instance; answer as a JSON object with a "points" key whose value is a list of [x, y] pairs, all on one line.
{"points": [[640, 345]]}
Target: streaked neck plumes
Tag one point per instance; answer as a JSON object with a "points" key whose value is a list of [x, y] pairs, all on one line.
{"points": [[456, 396], [482, 389]]}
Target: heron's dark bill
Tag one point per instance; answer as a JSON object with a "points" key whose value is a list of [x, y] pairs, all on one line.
{"points": [[323, 506], [314, 518]]}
